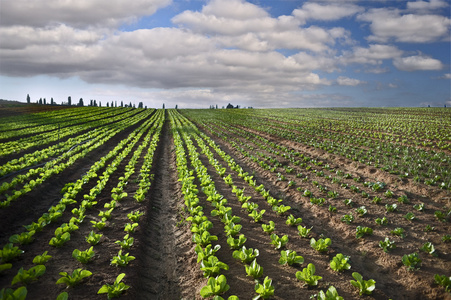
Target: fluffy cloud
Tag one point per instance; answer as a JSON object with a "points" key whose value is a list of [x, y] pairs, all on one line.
{"points": [[389, 24], [342, 80], [373, 55], [326, 12], [424, 6], [77, 13], [237, 23], [417, 63]]}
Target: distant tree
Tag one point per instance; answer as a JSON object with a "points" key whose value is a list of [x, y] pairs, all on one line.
{"points": [[100, 104], [122, 104], [229, 106], [163, 105], [69, 101], [45, 101], [51, 101], [95, 102], [107, 104], [115, 104], [176, 106], [80, 102], [140, 105], [130, 105], [28, 98], [40, 100], [216, 106]]}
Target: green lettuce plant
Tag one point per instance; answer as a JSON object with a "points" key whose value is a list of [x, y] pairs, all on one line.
{"points": [[116, 289], [307, 275], [340, 263], [364, 286]]}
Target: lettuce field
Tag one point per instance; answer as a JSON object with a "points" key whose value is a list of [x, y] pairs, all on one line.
{"points": [[344, 203]]}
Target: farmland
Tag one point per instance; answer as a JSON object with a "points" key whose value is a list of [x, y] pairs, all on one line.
{"points": [[186, 204]]}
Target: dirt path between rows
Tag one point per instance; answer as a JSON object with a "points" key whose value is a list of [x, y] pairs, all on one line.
{"points": [[167, 260]]}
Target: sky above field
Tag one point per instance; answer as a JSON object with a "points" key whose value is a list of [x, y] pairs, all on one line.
{"points": [[259, 53]]}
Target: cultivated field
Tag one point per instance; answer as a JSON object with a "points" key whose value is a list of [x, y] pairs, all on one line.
{"points": [[188, 204]]}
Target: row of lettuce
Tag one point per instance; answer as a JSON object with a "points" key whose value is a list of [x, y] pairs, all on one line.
{"points": [[79, 208], [297, 171]]}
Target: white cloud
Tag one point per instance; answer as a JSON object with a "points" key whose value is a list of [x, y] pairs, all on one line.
{"points": [[327, 12], [417, 63], [342, 80], [424, 6], [77, 13], [374, 54], [236, 23], [20, 37], [389, 24]]}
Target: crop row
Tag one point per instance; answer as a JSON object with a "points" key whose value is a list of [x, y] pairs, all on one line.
{"points": [[77, 212]]}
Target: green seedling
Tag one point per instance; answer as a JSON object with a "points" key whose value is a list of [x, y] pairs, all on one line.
{"points": [[444, 281], [232, 229], [279, 242], [429, 248], [290, 257], [60, 238], [134, 217], [100, 224], [126, 243], [391, 207], [269, 228], [205, 253], [93, 238], [419, 206], [330, 294], [116, 289], [411, 261], [303, 231], [130, 228], [27, 276], [41, 259], [212, 266], [121, 260], [83, 256], [348, 219], [361, 231], [17, 294], [307, 275], [23, 238], [9, 252], [362, 211], [321, 245], [398, 231], [364, 286], [257, 215], [254, 269], [410, 216], [382, 221], [236, 243], [387, 245], [340, 263], [215, 286], [71, 280], [281, 209], [403, 199], [265, 290], [204, 239], [292, 221], [245, 255]]}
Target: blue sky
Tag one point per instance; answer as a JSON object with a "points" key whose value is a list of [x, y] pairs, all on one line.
{"points": [[259, 53]]}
